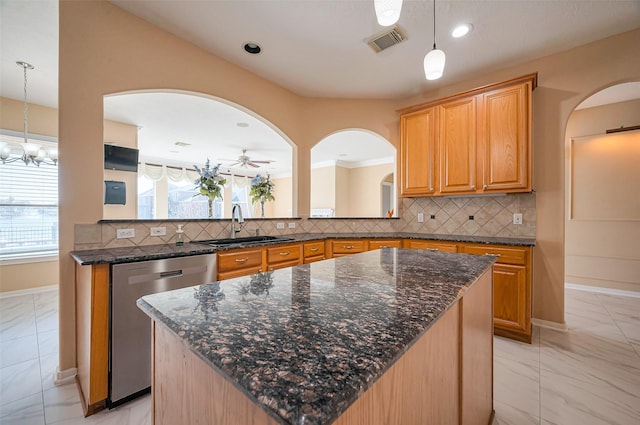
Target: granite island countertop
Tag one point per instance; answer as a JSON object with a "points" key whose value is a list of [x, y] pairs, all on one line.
{"points": [[305, 342], [160, 251]]}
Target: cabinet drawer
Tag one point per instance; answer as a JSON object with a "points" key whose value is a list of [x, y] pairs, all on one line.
{"points": [[313, 249], [283, 264], [279, 254], [508, 255], [384, 243], [347, 246], [308, 260], [237, 260], [431, 245]]}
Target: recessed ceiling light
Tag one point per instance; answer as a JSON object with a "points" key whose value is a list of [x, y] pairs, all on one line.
{"points": [[461, 30], [252, 48], [242, 124]]}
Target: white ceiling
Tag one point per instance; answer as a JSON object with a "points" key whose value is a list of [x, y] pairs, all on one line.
{"points": [[313, 48]]}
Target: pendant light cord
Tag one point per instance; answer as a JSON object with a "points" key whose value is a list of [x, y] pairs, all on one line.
{"points": [[434, 25]]}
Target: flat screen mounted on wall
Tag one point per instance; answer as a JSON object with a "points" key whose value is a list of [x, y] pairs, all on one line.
{"points": [[120, 158]]}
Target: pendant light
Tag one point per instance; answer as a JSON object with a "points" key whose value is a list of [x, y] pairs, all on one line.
{"points": [[435, 59], [387, 11]]}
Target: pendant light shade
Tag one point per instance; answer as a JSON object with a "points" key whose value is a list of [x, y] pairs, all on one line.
{"points": [[387, 11], [435, 59], [434, 64]]}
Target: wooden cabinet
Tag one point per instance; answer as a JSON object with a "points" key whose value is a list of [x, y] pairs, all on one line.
{"points": [[384, 243], [92, 335], [505, 119], [431, 245], [471, 143], [418, 150], [511, 288], [239, 262], [342, 247], [281, 256], [313, 251], [457, 145]]}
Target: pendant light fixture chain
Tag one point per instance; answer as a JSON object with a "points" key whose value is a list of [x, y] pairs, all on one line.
{"points": [[25, 67]]}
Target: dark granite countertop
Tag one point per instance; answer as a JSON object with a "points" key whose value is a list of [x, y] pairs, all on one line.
{"points": [[155, 252], [305, 342]]}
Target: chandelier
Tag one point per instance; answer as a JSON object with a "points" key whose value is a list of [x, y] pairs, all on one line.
{"points": [[28, 152]]}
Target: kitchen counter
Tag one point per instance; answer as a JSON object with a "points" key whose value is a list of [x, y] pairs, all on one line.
{"points": [[155, 252], [304, 343]]}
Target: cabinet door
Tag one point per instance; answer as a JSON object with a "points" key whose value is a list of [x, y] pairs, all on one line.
{"points": [[457, 146], [510, 298], [239, 263], [418, 153], [384, 243], [341, 247], [431, 245], [505, 151]]}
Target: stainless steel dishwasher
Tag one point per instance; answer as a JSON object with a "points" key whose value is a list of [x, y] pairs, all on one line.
{"points": [[130, 328]]}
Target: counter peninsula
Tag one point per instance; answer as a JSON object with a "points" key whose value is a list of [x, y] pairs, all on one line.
{"points": [[393, 336]]}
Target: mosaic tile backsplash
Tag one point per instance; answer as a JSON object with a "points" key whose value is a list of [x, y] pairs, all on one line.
{"points": [[469, 216]]}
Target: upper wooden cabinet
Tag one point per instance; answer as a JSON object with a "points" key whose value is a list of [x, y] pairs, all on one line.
{"points": [[418, 148], [470, 143]]}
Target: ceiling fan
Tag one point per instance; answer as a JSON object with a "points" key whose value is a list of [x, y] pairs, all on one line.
{"points": [[244, 161]]}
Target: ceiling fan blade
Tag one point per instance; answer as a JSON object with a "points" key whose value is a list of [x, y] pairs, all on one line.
{"points": [[262, 161], [253, 165]]}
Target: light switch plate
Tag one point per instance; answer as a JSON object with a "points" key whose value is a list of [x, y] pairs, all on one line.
{"points": [[158, 231], [279, 225], [292, 225], [420, 217], [125, 233]]}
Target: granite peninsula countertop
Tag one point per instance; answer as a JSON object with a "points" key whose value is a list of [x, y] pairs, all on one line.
{"points": [[305, 342], [156, 252]]}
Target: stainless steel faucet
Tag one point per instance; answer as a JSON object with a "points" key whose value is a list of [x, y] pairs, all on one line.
{"points": [[236, 210]]}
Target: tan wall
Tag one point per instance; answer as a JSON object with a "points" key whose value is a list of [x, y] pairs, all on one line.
{"points": [[365, 190], [281, 207], [343, 192], [123, 135], [105, 50], [42, 121], [603, 215], [323, 187]]}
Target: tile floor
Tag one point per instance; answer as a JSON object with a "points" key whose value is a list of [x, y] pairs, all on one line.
{"points": [[587, 376]]}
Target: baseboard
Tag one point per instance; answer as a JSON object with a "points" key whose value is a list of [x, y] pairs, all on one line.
{"points": [[547, 324], [28, 291], [63, 377], [601, 290]]}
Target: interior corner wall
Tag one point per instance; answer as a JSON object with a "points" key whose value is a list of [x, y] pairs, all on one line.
{"points": [[365, 189], [604, 251]]}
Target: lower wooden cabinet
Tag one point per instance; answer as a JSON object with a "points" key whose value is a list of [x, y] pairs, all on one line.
{"points": [[282, 256], [430, 245], [240, 262], [313, 251], [341, 247], [384, 243], [511, 288]]}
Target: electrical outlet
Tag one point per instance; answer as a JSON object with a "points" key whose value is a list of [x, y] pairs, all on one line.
{"points": [[420, 217], [280, 226], [433, 216], [125, 233], [517, 218], [158, 231], [292, 225]]}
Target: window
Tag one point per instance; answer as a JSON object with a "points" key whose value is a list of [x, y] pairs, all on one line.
{"points": [[146, 198], [182, 203], [240, 196], [28, 208]]}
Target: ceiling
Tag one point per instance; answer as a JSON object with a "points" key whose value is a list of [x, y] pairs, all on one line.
{"points": [[313, 48]]}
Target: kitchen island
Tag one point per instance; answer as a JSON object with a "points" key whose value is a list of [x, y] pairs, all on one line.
{"points": [[392, 336]]}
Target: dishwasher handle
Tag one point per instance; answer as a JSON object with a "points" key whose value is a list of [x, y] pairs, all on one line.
{"points": [[173, 273]]}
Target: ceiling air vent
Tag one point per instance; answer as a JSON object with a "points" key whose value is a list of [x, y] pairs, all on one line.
{"points": [[386, 39]]}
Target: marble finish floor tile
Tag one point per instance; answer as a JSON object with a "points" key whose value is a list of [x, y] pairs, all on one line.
{"points": [[26, 411], [19, 381], [18, 350], [517, 385], [17, 317], [509, 415], [48, 342], [62, 404]]}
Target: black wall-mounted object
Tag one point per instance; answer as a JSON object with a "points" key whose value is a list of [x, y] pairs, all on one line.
{"points": [[115, 193], [120, 158]]}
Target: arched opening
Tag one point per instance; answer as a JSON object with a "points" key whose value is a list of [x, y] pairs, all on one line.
{"points": [[347, 168], [602, 199], [175, 132]]}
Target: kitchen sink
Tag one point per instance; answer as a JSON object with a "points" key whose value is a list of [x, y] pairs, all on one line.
{"points": [[248, 239]]}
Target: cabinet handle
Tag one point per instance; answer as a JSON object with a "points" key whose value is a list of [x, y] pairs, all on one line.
{"points": [[485, 187], [313, 249], [491, 255], [348, 246], [432, 249], [430, 188], [473, 187], [241, 260], [284, 253]]}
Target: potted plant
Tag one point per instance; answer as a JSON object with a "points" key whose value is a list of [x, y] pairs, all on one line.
{"points": [[262, 191], [209, 184]]}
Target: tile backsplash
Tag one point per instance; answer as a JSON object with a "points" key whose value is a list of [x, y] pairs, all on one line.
{"points": [[492, 216]]}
